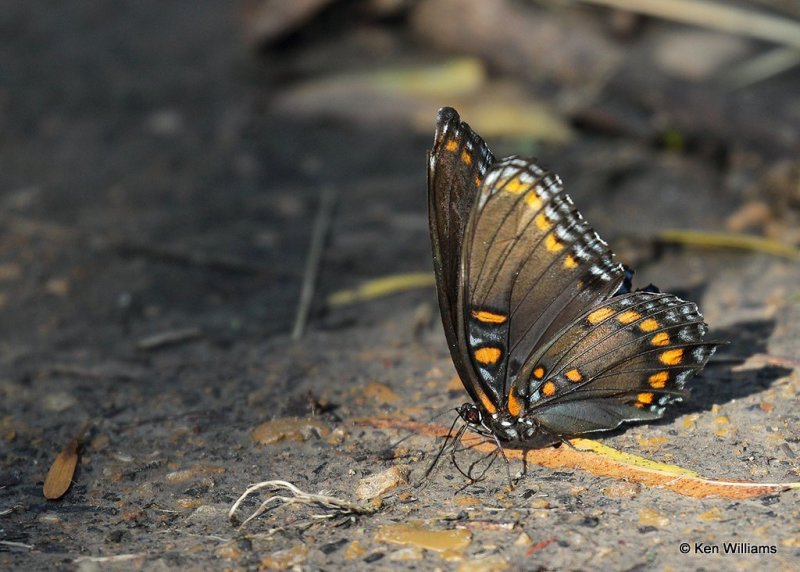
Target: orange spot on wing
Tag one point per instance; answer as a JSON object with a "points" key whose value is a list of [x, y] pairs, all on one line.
{"points": [[549, 389], [660, 339], [628, 317], [552, 244], [538, 373], [532, 199], [570, 262], [599, 315], [671, 357], [542, 222], [574, 375], [486, 402], [514, 404], [488, 356], [515, 186], [451, 145], [645, 398], [488, 317], [466, 158], [658, 380], [648, 325]]}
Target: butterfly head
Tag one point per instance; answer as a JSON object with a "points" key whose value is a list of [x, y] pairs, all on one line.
{"points": [[470, 413]]}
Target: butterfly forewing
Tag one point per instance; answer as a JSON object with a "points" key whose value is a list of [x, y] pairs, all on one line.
{"points": [[533, 265], [457, 165]]}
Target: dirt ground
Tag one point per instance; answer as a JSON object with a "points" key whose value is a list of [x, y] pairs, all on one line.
{"points": [[161, 168]]}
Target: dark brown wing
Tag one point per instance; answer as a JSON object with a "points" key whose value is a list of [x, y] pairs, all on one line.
{"points": [[456, 166], [533, 267], [625, 359], [527, 295]]}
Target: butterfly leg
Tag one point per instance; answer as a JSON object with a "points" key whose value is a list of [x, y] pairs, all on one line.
{"points": [[567, 442], [508, 465], [449, 438], [482, 461]]}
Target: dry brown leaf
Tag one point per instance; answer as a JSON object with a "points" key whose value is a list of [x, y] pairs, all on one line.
{"points": [[59, 477]]}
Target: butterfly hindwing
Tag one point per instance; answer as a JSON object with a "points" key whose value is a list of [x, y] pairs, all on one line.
{"points": [[629, 357], [577, 417]]}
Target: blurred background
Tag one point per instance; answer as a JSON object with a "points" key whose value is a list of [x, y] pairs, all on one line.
{"points": [[162, 166], [164, 162]]}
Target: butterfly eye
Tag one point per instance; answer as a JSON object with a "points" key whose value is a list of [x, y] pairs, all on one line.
{"points": [[470, 413]]}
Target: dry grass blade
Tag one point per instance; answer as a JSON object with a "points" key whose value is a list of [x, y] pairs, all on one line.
{"points": [[601, 460], [762, 67], [338, 506], [169, 338], [715, 16], [109, 559], [730, 240], [12, 544], [383, 286]]}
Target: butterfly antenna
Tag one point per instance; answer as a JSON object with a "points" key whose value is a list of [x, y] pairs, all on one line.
{"points": [[411, 434]]}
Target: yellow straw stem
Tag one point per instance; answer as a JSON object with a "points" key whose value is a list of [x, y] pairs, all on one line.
{"points": [[730, 240]]}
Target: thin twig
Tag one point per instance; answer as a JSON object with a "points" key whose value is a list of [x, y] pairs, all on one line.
{"points": [[115, 558], [715, 16], [321, 224], [340, 506], [16, 544], [169, 338], [194, 535]]}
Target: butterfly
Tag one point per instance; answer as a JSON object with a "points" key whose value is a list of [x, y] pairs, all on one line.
{"points": [[543, 328]]}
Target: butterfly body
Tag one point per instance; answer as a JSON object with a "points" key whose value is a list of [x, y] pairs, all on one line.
{"points": [[543, 329]]}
